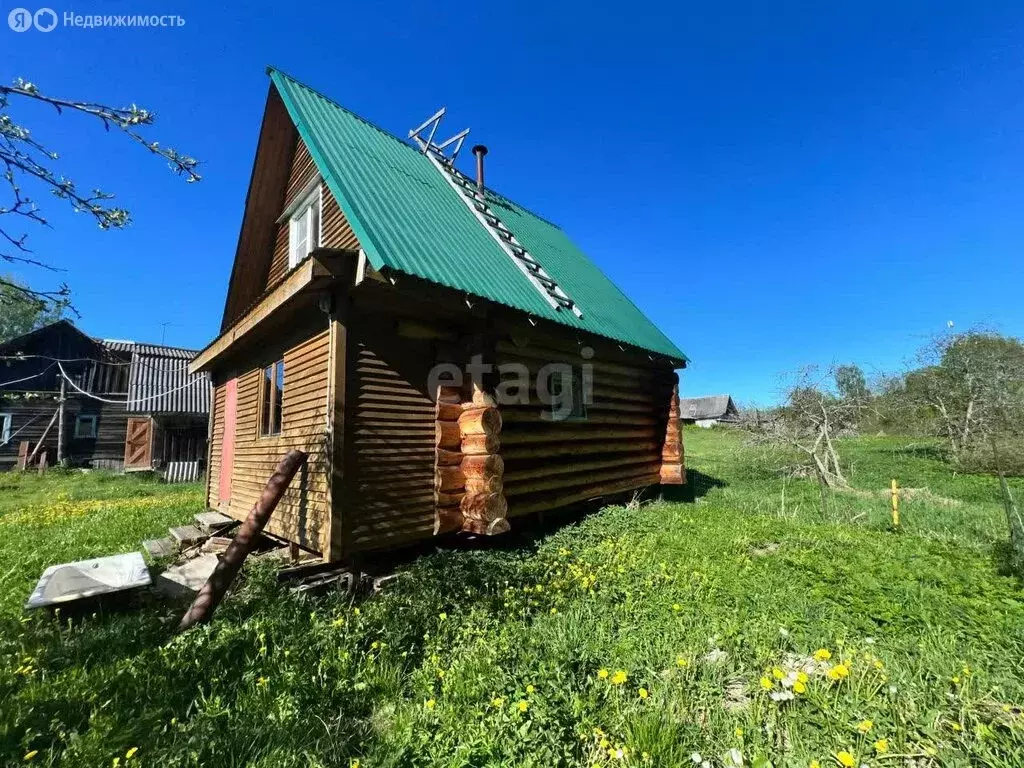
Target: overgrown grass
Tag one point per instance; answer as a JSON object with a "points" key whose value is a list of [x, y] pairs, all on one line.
{"points": [[634, 637]]}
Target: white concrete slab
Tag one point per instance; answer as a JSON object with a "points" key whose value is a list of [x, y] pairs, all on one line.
{"points": [[188, 577], [88, 578]]}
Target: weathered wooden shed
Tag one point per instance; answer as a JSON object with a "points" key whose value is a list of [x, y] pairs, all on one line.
{"points": [[101, 403], [448, 358]]}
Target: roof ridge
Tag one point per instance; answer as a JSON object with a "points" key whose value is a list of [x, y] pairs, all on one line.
{"points": [[495, 193]]}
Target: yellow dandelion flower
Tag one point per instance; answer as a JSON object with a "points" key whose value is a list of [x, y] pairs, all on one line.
{"points": [[801, 677], [440, 673], [864, 726], [956, 680], [777, 673], [799, 687], [262, 681], [354, 764], [738, 732], [677, 607], [430, 703], [846, 759], [879, 664], [523, 705], [443, 616], [682, 662], [882, 746], [619, 678], [355, 612], [31, 755], [814, 764], [115, 762], [131, 753], [822, 654], [839, 672], [643, 693], [766, 683], [602, 673], [554, 611], [497, 702], [530, 689], [337, 622]]}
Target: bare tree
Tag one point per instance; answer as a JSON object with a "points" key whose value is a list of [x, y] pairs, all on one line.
{"points": [[972, 384], [814, 415], [26, 160]]}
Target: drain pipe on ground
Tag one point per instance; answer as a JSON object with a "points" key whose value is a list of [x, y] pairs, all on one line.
{"points": [[230, 564]]}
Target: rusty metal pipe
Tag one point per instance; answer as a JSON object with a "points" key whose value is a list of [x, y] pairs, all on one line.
{"points": [[230, 564]]}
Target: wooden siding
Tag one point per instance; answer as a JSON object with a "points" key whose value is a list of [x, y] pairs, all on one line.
{"points": [[616, 448], [334, 227], [302, 516], [30, 417], [390, 436]]}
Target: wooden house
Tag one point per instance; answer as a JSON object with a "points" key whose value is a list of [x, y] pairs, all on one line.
{"points": [[101, 403], [708, 410], [370, 277]]}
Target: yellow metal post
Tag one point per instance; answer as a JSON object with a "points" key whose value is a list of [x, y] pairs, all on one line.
{"points": [[895, 505]]}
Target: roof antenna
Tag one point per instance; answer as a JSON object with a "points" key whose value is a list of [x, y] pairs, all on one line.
{"points": [[428, 146]]}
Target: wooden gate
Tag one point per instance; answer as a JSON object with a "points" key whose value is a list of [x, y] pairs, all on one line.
{"points": [[138, 443]]}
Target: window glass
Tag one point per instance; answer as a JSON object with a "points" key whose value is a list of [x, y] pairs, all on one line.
{"points": [[304, 228], [267, 394], [85, 426], [278, 396], [5, 428]]}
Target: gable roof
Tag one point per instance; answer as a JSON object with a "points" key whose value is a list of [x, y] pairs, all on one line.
{"points": [[159, 381], [719, 407], [409, 219]]}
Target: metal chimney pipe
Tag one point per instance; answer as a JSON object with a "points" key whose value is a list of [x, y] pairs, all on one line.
{"points": [[480, 150]]}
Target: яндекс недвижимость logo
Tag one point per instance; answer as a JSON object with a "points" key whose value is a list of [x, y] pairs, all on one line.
{"points": [[22, 19]]}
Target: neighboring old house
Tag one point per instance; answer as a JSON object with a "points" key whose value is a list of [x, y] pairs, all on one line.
{"points": [[708, 410], [126, 405], [363, 264]]}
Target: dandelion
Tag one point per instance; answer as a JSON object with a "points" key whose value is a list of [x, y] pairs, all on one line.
{"points": [[846, 759], [814, 764], [839, 672], [523, 705], [864, 726], [262, 682], [682, 662], [822, 654], [602, 673], [766, 683], [619, 678], [643, 693], [882, 746], [355, 612], [31, 755], [554, 611], [738, 732], [799, 687], [777, 673], [956, 680], [354, 764], [430, 703], [443, 616], [530, 689], [115, 762], [879, 664], [801, 677], [131, 753], [677, 607], [337, 622], [497, 702]]}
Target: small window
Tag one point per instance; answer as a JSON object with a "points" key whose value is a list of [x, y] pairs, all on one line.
{"points": [[5, 428], [304, 227], [567, 404], [271, 398], [85, 425]]}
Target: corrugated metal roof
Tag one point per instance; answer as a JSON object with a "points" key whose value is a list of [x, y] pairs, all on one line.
{"points": [[409, 219], [719, 407], [160, 383]]}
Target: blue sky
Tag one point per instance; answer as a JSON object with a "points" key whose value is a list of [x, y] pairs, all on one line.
{"points": [[774, 184]]}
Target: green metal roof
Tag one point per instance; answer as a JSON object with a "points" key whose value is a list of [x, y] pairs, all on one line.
{"points": [[409, 219]]}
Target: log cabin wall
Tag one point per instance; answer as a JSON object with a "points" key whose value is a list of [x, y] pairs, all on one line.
{"points": [[302, 515], [618, 446], [390, 434], [334, 227]]}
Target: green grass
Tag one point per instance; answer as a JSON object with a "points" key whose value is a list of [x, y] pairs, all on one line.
{"points": [[494, 658]]}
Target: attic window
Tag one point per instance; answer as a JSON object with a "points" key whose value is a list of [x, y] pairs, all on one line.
{"points": [[304, 226]]}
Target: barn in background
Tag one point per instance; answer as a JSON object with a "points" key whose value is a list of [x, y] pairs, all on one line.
{"points": [[68, 398], [708, 410]]}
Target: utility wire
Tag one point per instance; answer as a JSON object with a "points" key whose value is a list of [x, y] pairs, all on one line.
{"points": [[28, 378], [192, 383]]}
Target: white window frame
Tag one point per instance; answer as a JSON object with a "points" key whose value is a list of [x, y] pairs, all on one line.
{"points": [[302, 209], [579, 405], [80, 420], [6, 421]]}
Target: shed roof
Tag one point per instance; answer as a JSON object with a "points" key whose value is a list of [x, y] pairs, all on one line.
{"points": [[720, 407], [409, 219], [159, 382]]}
